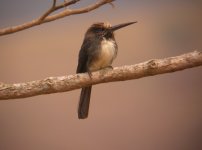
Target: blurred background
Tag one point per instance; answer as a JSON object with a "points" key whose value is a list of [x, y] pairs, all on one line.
{"points": [[152, 113]]}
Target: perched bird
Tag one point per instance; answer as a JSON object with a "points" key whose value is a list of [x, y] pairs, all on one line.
{"points": [[98, 51]]}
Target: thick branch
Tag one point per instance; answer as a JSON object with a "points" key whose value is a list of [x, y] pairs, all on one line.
{"points": [[72, 82], [46, 18]]}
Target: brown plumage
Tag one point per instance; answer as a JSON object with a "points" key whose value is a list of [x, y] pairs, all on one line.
{"points": [[98, 51]]}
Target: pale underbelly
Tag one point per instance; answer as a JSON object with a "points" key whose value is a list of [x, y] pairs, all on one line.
{"points": [[101, 63], [106, 56]]}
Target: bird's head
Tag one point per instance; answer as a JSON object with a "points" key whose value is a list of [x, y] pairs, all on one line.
{"points": [[105, 30]]}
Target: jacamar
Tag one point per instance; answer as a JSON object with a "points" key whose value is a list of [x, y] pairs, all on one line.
{"points": [[98, 51]]}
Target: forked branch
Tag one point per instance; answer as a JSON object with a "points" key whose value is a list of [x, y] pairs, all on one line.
{"points": [[46, 17], [72, 82]]}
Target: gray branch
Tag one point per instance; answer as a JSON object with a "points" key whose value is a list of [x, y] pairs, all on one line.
{"points": [[72, 82], [46, 17]]}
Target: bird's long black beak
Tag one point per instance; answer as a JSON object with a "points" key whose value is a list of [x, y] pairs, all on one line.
{"points": [[116, 27]]}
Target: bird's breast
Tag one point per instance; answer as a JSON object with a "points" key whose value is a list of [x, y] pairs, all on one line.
{"points": [[105, 56]]}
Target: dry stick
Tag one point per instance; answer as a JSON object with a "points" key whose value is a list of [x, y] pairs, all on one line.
{"points": [[54, 8], [48, 12], [46, 18], [72, 82]]}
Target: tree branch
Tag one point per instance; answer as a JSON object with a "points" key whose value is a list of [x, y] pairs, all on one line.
{"points": [[72, 82], [46, 18], [48, 12]]}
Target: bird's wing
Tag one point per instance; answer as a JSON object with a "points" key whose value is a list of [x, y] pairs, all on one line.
{"points": [[83, 57]]}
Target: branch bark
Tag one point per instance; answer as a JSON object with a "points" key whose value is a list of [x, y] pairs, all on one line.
{"points": [[46, 18], [72, 82]]}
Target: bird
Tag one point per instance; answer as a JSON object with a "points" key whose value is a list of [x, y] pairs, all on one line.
{"points": [[98, 50]]}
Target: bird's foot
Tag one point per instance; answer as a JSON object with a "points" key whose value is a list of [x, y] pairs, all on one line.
{"points": [[90, 74], [109, 67], [106, 69]]}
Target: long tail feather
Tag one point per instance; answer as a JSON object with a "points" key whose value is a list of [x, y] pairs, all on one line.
{"points": [[84, 102]]}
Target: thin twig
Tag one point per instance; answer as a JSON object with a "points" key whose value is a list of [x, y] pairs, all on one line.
{"points": [[65, 4], [72, 82], [48, 12], [47, 18], [54, 3]]}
